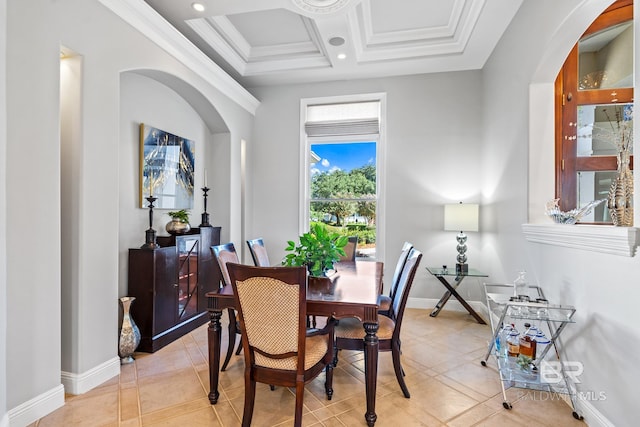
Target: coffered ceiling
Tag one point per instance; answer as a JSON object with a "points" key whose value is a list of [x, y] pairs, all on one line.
{"points": [[262, 42]]}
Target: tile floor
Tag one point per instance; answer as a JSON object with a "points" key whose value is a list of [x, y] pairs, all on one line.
{"points": [[440, 357]]}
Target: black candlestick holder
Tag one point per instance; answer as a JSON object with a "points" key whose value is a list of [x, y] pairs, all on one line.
{"points": [[205, 215], [150, 234]]}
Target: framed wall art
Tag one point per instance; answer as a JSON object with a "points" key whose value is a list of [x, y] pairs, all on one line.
{"points": [[167, 168]]}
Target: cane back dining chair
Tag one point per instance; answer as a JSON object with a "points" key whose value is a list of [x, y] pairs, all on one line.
{"points": [[224, 254], [258, 252], [261, 259], [350, 249], [278, 349], [350, 331], [384, 301]]}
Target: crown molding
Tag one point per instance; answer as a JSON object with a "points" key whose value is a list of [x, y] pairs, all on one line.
{"points": [[223, 36], [608, 239], [237, 57], [450, 39], [148, 22]]}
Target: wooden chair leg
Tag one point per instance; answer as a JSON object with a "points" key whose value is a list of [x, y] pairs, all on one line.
{"points": [[232, 338], [297, 421], [239, 349], [400, 351], [249, 399], [397, 367], [328, 384]]}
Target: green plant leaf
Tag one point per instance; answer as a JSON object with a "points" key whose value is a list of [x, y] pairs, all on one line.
{"points": [[182, 215], [342, 241], [319, 249]]}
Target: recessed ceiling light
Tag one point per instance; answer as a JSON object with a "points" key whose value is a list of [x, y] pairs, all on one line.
{"points": [[336, 41], [198, 7], [342, 56]]}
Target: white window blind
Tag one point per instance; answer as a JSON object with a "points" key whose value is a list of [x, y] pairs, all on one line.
{"points": [[356, 118]]}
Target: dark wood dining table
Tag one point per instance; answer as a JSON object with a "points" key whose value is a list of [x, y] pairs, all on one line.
{"points": [[353, 294]]}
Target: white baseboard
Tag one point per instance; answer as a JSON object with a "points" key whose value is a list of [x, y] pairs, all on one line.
{"points": [[452, 305], [82, 383], [36, 408], [426, 303], [592, 417]]}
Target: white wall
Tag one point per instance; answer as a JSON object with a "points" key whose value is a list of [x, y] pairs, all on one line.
{"points": [[601, 287], [4, 417], [106, 47], [70, 191], [433, 151], [33, 203], [144, 100]]}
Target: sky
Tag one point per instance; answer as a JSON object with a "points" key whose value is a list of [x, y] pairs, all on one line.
{"points": [[343, 156]]}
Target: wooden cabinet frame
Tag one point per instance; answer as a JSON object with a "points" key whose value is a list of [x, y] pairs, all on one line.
{"points": [[170, 283]]}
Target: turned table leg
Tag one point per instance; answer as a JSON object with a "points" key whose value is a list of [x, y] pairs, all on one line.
{"points": [[214, 338]]}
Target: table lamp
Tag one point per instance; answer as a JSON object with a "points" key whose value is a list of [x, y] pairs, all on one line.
{"points": [[461, 217]]}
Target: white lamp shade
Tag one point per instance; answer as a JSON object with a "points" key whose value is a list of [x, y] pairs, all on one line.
{"points": [[461, 217]]}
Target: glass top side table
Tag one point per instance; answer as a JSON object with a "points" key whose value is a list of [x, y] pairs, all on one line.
{"points": [[442, 274]]}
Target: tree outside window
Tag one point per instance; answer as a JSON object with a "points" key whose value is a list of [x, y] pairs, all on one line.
{"points": [[343, 189]]}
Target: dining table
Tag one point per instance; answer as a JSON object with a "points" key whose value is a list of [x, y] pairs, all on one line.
{"points": [[352, 293]]}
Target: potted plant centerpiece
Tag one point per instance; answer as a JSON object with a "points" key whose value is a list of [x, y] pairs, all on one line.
{"points": [[179, 223], [318, 250]]}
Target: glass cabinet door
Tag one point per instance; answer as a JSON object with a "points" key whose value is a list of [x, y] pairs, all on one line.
{"points": [[188, 248]]}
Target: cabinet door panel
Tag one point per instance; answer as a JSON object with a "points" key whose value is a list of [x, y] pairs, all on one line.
{"points": [[188, 250], [166, 290]]}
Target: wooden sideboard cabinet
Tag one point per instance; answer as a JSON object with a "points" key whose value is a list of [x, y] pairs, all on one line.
{"points": [[170, 284]]}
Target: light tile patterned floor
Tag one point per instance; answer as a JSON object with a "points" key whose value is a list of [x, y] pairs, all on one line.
{"points": [[440, 357]]}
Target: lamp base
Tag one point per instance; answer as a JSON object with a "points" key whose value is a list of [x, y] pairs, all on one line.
{"points": [[462, 268], [150, 240], [205, 220]]}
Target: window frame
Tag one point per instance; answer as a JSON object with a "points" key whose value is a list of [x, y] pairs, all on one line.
{"points": [[305, 155], [567, 100]]}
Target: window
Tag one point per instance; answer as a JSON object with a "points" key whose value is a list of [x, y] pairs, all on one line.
{"points": [[594, 101], [341, 167]]}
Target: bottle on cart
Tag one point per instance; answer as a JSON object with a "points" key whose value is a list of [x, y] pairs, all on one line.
{"points": [[503, 336], [513, 342], [531, 331], [528, 343], [521, 287], [498, 341], [541, 342]]}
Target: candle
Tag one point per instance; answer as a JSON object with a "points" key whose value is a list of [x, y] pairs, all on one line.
{"points": [[205, 177], [150, 184]]}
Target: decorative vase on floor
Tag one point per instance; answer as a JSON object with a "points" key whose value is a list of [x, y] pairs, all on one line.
{"points": [[620, 200], [129, 338]]}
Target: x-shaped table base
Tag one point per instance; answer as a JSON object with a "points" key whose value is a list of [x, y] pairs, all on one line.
{"points": [[441, 275]]}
